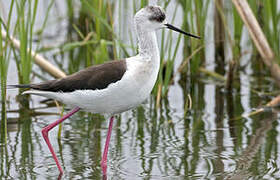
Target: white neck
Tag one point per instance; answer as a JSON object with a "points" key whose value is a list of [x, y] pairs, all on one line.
{"points": [[147, 43]]}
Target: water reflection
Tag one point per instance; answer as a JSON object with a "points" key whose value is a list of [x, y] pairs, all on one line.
{"points": [[150, 144], [250, 158]]}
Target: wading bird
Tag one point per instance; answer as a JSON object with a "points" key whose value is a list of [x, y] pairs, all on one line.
{"points": [[113, 87]]}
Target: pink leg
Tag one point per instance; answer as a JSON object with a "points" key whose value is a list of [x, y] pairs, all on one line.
{"points": [[45, 133], [105, 153]]}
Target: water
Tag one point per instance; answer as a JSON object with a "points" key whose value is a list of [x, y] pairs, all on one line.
{"points": [[206, 142]]}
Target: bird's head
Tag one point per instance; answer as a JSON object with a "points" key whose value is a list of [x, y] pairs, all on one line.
{"points": [[152, 18]]}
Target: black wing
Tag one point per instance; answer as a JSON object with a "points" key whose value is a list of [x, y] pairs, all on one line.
{"points": [[92, 78]]}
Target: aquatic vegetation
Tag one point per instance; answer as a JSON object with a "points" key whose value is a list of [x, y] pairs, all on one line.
{"points": [[26, 16], [5, 53]]}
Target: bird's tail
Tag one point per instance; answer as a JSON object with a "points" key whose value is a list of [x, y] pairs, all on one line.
{"points": [[31, 91], [28, 86], [19, 86]]}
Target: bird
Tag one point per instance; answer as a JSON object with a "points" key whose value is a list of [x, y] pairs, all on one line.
{"points": [[113, 87]]}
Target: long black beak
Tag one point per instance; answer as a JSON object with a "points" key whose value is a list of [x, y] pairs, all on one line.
{"points": [[169, 26]]}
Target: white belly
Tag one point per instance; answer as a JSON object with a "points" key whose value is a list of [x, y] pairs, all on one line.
{"points": [[134, 87]]}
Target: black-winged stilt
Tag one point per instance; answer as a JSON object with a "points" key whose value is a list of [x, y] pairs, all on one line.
{"points": [[113, 87]]}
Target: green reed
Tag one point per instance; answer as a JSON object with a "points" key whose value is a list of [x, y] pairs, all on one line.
{"points": [[194, 15], [167, 58], [238, 24], [4, 62], [194, 19], [5, 53], [271, 19], [22, 28], [26, 16], [90, 36]]}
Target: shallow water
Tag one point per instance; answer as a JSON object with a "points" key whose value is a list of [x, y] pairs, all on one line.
{"points": [[209, 141], [149, 145]]}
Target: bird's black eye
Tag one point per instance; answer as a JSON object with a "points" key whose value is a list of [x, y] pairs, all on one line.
{"points": [[156, 14]]}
